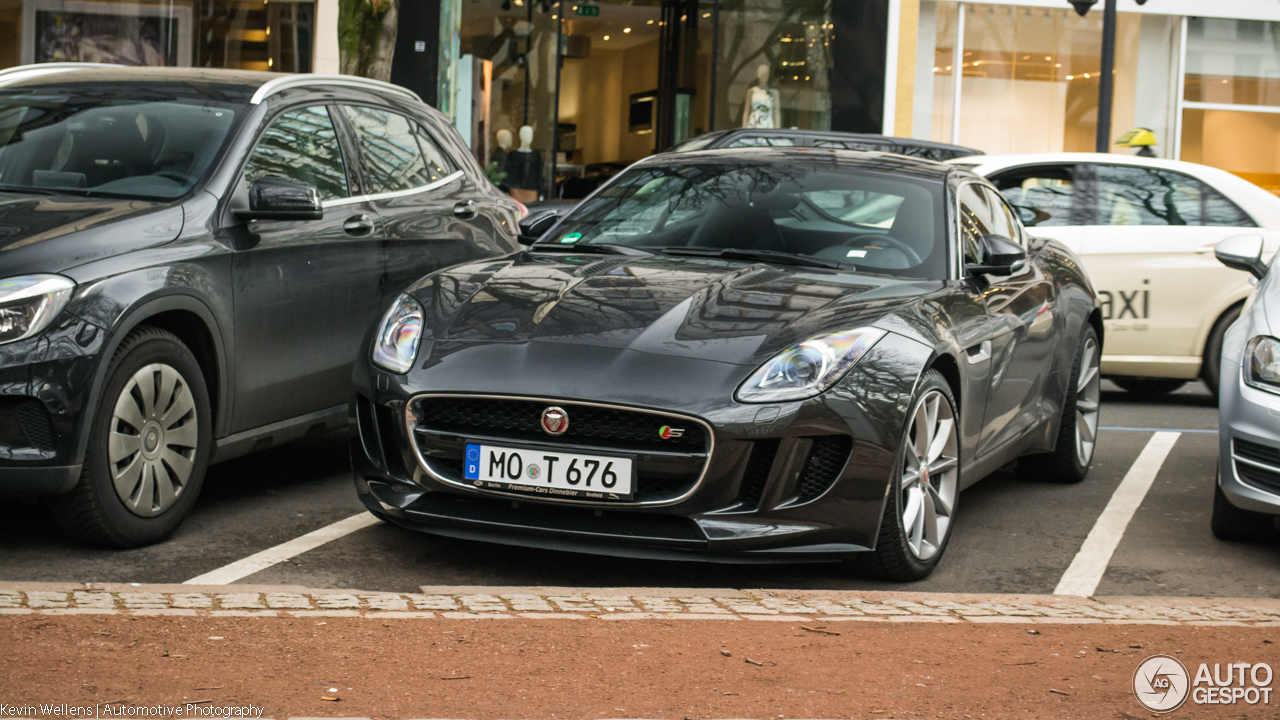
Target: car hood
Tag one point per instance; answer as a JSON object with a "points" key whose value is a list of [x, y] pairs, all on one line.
{"points": [[55, 233], [710, 309]]}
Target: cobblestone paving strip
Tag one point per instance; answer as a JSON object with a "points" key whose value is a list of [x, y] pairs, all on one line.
{"points": [[564, 603]]}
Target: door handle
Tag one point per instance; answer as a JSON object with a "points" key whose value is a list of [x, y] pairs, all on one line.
{"points": [[466, 209], [358, 225]]}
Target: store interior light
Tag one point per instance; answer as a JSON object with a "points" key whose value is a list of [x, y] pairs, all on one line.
{"points": [[648, 22], [606, 37], [626, 30]]}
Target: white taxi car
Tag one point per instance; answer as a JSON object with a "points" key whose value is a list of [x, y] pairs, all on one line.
{"points": [[1146, 230]]}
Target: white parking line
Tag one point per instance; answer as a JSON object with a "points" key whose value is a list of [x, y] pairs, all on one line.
{"points": [[228, 574], [1086, 569]]}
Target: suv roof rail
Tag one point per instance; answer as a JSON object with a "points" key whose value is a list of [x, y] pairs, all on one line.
{"points": [[26, 72], [280, 84]]}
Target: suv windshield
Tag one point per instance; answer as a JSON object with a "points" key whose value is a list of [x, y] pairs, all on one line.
{"points": [[130, 142], [872, 221]]}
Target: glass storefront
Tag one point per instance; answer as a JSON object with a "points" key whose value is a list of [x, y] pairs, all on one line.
{"points": [[276, 35], [1028, 82], [1231, 100], [635, 76], [1028, 77]]}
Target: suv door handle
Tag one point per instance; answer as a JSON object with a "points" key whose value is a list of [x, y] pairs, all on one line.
{"points": [[358, 225], [466, 209]]}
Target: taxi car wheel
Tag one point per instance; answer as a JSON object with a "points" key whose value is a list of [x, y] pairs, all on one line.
{"points": [[1148, 386], [1213, 348], [921, 503], [148, 446], [1231, 523], [1077, 433]]}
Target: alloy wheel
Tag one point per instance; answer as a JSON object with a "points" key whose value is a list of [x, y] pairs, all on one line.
{"points": [[930, 477], [1088, 396], [153, 439]]}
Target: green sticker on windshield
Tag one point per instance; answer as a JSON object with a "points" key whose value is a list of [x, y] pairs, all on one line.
{"points": [[571, 238]]}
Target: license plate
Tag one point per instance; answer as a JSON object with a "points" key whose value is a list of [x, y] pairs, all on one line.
{"points": [[549, 474]]}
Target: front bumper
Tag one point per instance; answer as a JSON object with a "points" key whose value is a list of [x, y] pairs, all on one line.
{"points": [[45, 385], [760, 497], [1249, 444]]}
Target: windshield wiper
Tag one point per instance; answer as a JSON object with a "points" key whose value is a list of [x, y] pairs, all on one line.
{"points": [[782, 258], [597, 248], [30, 190]]}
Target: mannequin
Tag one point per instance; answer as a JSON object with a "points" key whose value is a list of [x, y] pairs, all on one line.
{"points": [[499, 155], [524, 168], [763, 102]]}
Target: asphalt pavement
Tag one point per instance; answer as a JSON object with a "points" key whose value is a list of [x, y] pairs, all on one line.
{"points": [[1011, 536]]}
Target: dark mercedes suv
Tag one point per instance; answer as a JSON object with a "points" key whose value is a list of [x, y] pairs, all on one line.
{"points": [[189, 260]]}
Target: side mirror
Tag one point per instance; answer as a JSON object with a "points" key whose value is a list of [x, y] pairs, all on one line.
{"points": [[1003, 256], [277, 198], [1242, 252], [537, 224]]}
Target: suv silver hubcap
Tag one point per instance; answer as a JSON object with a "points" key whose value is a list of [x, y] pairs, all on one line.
{"points": [[1088, 395], [930, 476], [152, 443]]}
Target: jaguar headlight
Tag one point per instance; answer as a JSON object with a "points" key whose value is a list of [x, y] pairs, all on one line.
{"points": [[1263, 371], [808, 368], [396, 344], [29, 303]]}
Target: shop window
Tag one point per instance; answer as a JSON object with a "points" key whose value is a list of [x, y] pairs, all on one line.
{"points": [[1232, 61], [252, 35], [1147, 196], [1041, 196], [391, 153], [301, 145]]}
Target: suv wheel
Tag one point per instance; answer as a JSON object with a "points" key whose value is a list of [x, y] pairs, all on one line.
{"points": [[148, 446]]}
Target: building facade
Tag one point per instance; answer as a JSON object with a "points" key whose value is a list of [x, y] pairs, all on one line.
{"points": [[555, 95]]}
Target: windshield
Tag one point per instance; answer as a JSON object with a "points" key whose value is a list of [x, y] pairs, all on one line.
{"points": [[139, 144], [872, 221]]}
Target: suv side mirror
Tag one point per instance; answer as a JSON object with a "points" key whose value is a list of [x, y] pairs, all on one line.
{"points": [[277, 198], [1003, 256], [539, 222], [1242, 252]]}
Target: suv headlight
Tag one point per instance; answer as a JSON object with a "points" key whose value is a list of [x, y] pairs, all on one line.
{"points": [[396, 344], [808, 368], [30, 302], [1263, 370]]}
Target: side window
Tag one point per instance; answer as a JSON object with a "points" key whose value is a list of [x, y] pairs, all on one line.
{"points": [[391, 153], [437, 163], [1151, 196], [1003, 222], [1041, 196], [975, 221], [301, 145]]}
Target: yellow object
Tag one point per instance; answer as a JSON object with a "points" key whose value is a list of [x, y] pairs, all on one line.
{"points": [[1137, 137]]}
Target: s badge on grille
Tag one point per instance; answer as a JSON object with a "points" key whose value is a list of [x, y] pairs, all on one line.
{"points": [[666, 432], [555, 421]]}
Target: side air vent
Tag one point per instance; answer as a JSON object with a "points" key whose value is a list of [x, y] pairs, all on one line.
{"points": [[826, 460], [759, 464]]}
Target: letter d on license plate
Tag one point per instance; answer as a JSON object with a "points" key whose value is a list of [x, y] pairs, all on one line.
{"points": [[549, 474]]}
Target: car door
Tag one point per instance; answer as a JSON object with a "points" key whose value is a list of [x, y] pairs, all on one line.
{"points": [[1150, 254], [304, 291], [1019, 322], [431, 214]]}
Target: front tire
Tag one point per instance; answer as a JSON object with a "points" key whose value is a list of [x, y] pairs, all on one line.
{"points": [[1078, 429], [149, 444], [921, 502], [1234, 524]]}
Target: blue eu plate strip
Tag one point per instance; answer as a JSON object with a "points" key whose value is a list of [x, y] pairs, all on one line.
{"points": [[471, 466]]}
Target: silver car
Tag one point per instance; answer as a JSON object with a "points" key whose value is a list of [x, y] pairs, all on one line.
{"points": [[1246, 501]]}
